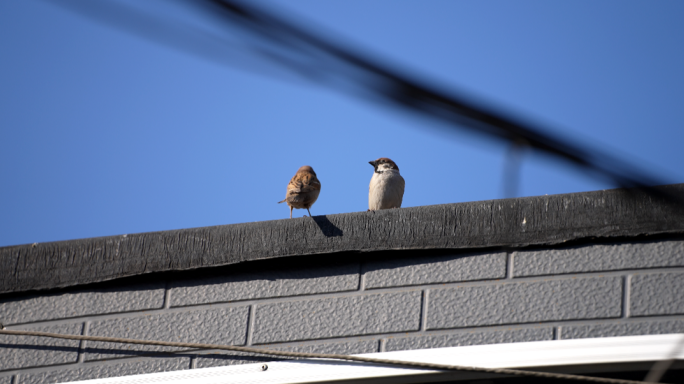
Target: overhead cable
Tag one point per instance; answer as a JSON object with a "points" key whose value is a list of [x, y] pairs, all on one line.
{"points": [[323, 61], [397, 363]]}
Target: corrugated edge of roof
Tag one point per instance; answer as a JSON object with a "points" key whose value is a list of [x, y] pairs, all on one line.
{"points": [[540, 220]]}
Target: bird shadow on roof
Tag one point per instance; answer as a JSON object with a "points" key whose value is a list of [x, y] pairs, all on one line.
{"points": [[327, 228]]}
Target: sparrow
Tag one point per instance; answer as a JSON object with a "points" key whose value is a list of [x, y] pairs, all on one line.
{"points": [[303, 189], [386, 188]]}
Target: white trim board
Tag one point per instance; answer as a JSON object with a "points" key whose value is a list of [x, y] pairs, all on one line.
{"points": [[531, 354]]}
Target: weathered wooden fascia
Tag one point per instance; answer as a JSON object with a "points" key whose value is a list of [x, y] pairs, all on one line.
{"points": [[519, 222]]}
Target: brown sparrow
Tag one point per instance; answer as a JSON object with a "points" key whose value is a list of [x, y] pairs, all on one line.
{"points": [[386, 188], [303, 189]]}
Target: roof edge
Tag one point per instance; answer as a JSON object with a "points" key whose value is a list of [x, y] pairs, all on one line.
{"points": [[519, 222]]}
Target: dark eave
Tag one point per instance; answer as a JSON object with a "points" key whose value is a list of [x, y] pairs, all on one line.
{"points": [[528, 221]]}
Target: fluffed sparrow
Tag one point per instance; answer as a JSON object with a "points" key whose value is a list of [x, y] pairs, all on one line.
{"points": [[386, 188], [303, 189]]}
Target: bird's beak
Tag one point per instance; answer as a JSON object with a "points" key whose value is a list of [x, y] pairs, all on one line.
{"points": [[372, 163]]}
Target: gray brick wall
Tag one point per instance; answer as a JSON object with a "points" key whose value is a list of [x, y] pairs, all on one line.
{"points": [[82, 303], [210, 326], [432, 270], [595, 258], [469, 337], [338, 317], [273, 283], [343, 348], [657, 294], [104, 370], [364, 305], [622, 328], [27, 351], [525, 302]]}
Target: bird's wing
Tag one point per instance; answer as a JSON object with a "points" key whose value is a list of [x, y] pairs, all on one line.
{"points": [[304, 185]]}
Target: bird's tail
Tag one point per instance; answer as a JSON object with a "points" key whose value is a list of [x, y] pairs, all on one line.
{"points": [[282, 201]]}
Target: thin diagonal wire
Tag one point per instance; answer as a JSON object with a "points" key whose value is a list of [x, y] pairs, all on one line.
{"points": [[300, 51], [399, 363], [418, 96]]}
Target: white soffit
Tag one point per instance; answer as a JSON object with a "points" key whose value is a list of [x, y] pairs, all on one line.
{"points": [[532, 354]]}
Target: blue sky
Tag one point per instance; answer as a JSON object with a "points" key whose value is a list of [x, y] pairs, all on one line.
{"points": [[106, 133]]}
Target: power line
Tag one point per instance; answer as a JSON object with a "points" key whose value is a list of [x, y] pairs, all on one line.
{"points": [[321, 60], [398, 363]]}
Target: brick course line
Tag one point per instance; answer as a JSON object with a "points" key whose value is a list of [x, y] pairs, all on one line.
{"points": [[627, 289], [464, 331], [362, 281], [572, 276], [344, 294], [167, 296], [250, 324], [424, 310], [84, 343]]}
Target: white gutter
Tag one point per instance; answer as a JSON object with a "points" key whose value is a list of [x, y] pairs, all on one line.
{"points": [[517, 355]]}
